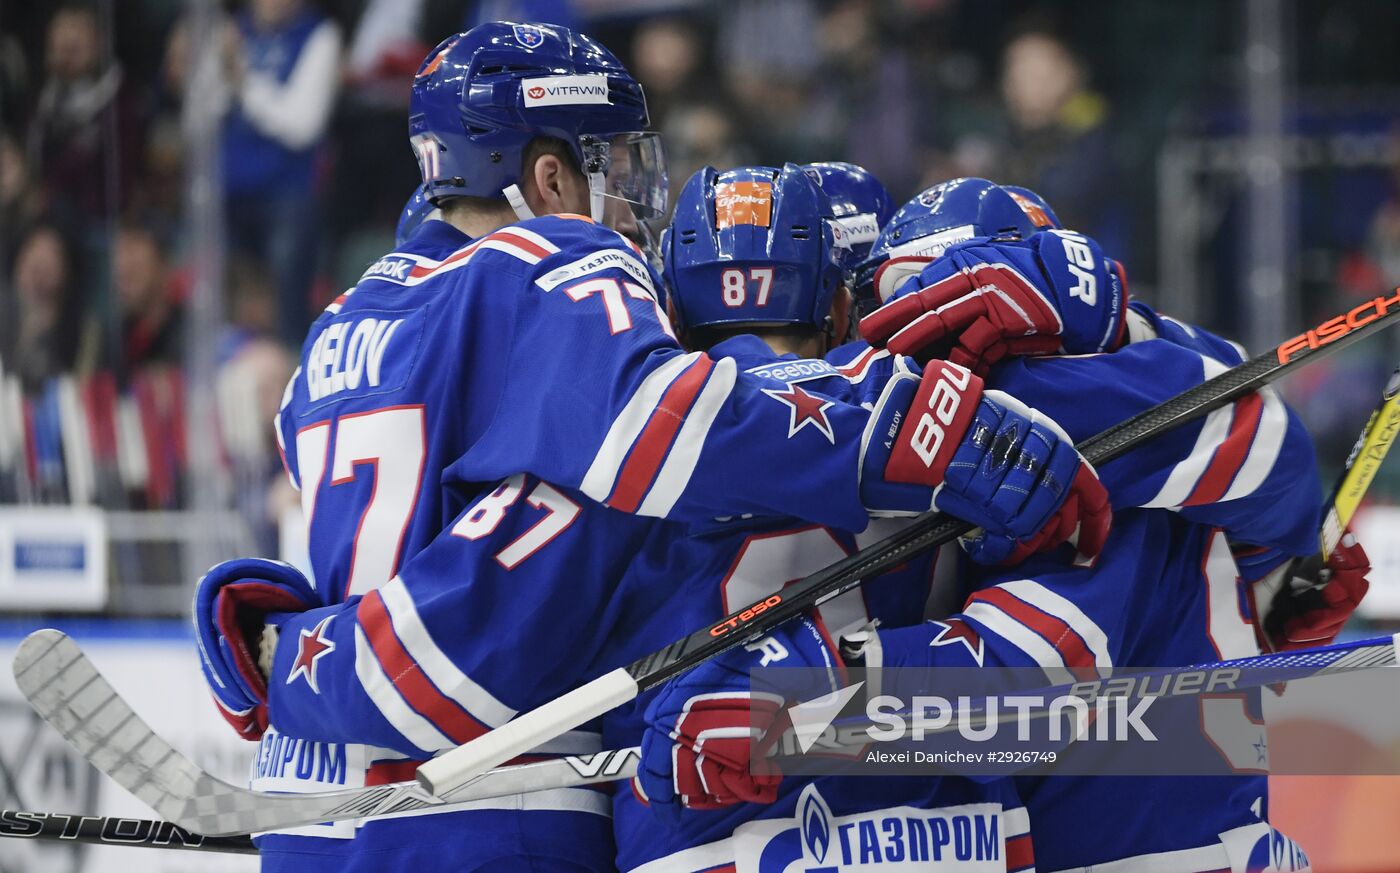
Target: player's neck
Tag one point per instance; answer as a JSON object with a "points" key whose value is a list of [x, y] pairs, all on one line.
{"points": [[476, 225], [804, 347]]}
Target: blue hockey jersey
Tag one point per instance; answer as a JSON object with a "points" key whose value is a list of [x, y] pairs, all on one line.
{"points": [[836, 823], [541, 348], [1165, 592]]}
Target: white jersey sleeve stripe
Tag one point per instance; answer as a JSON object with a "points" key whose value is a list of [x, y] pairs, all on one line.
{"points": [[414, 727], [1268, 442], [510, 249], [1054, 604], [531, 236], [1020, 636], [439, 669], [685, 452], [602, 473], [1184, 476]]}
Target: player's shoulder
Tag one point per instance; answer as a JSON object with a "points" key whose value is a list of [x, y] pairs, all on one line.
{"points": [[575, 247]]}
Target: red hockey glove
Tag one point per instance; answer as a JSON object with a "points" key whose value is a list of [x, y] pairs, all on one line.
{"points": [[703, 727], [234, 603], [1309, 610], [989, 300]]}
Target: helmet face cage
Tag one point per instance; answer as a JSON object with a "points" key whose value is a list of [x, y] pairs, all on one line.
{"points": [[752, 246]]}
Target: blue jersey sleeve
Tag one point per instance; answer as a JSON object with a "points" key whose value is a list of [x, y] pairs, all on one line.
{"points": [[1248, 468], [598, 395], [483, 623]]}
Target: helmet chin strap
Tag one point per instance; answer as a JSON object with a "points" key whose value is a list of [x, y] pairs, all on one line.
{"points": [[517, 202], [596, 183]]}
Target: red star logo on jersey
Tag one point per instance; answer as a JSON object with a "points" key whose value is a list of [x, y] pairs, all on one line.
{"points": [[804, 409], [958, 631], [312, 645]]}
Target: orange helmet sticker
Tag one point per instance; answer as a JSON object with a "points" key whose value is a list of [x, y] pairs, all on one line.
{"points": [[436, 61], [1033, 211], [743, 203]]}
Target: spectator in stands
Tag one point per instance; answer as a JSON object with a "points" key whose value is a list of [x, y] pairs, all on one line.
{"points": [[283, 60], [151, 321], [43, 336], [19, 199], [666, 56], [1057, 138], [84, 124]]}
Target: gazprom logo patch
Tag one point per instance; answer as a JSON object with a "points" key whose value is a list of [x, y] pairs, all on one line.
{"points": [[816, 823], [565, 90]]}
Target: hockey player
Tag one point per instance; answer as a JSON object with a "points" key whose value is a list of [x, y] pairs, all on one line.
{"points": [[497, 343], [1177, 823], [691, 810], [530, 590]]}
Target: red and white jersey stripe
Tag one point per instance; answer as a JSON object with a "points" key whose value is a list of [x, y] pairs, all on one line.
{"points": [[856, 371], [518, 242], [651, 448], [1046, 626], [1234, 452], [412, 681]]}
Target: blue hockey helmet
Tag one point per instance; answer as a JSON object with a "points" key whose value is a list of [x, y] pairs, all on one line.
{"points": [[481, 96], [417, 210], [943, 215], [755, 245], [860, 202]]}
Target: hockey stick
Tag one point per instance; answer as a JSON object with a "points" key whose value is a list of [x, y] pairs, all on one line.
{"points": [[66, 689], [69, 693], [153, 770], [113, 831], [614, 688], [1359, 470]]}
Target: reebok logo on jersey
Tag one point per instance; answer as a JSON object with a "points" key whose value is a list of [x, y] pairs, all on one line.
{"points": [[389, 268], [743, 203], [565, 90], [795, 371]]}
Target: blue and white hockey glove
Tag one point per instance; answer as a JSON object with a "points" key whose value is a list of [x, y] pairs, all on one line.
{"points": [[942, 442], [983, 300], [702, 727], [233, 604]]}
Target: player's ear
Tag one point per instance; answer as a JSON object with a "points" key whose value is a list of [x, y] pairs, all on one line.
{"points": [[556, 187], [840, 315]]}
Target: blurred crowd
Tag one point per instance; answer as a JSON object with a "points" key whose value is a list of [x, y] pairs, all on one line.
{"points": [[97, 100]]}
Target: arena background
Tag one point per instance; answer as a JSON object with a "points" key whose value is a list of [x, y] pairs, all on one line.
{"points": [[1241, 156]]}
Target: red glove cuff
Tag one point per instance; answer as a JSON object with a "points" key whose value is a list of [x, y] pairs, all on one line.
{"points": [[937, 419]]}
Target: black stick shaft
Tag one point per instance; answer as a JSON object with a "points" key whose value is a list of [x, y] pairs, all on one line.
{"points": [[113, 831], [935, 529]]}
